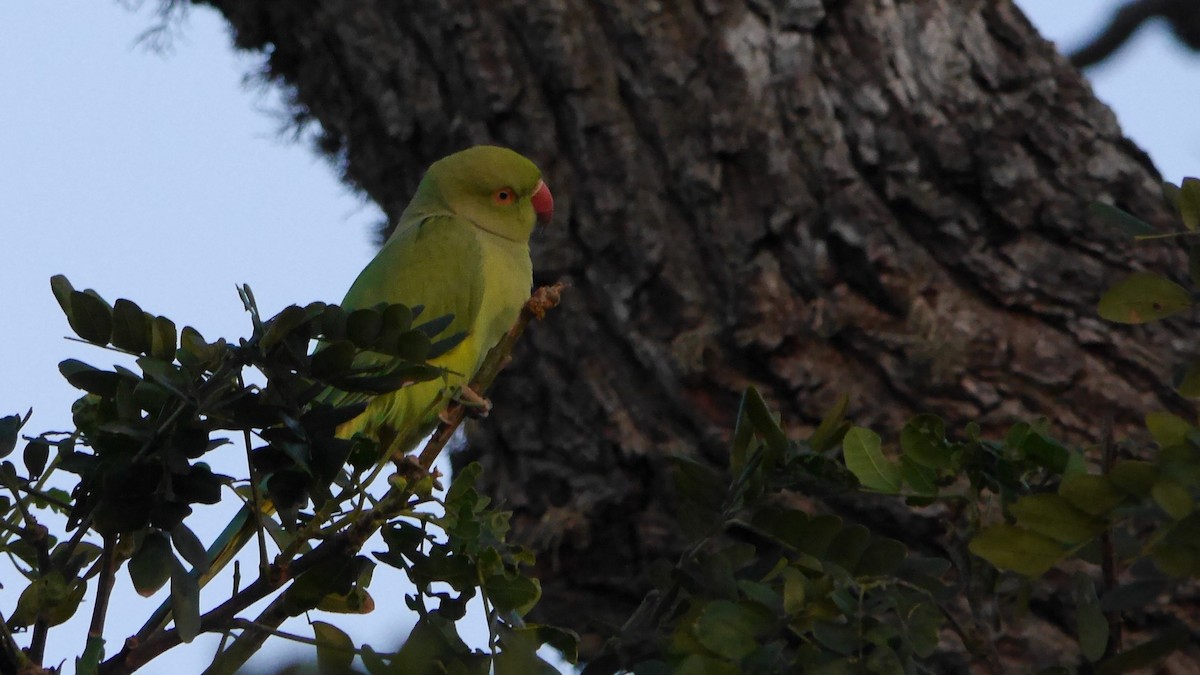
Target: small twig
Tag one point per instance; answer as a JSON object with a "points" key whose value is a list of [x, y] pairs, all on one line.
{"points": [[30, 522], [108, 576], [247, 624], [237, 583], [255, 497], [45, 496], [254, 634]]}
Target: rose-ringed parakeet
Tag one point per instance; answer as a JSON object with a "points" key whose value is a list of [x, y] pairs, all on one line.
{"points": [[461, 248]]}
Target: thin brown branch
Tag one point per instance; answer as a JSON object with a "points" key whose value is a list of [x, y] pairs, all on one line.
{"points": [[254, 634], [137, 653], [542, 300], [108, 576]]}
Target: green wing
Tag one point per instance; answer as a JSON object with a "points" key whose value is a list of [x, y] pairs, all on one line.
{"points": [[435, 263]]}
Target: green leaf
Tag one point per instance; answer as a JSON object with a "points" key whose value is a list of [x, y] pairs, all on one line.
{"points": [[90, 317], [1013, 548], [921, 479], [336, 575], [1055, 517], [793, 591], [164, 373], [816, 534], [282, 324], [62, 290], [36, 453], [518, 653], [1091, 493], [832, 428], [363, 327], [357, 601], [189, 546], [1134, 476], [1090, 620], [131, 327], [1045, 451], [410, 345], [150, 567], [185, 602], [836, 637], [1168, 428], [1189, 203], [432, 640], [743, 436], [335, 649], [333, 359], [512, 592], [1123, 220], [1172, 498], [1143, 297], [10, 427], [923, 440], [764, 423], [727, 629], [865, 460], [881, 557], [847, 547], [162, 338], [89, 378]]}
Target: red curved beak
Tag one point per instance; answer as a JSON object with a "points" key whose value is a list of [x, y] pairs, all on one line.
{"points": [[543, 203]]}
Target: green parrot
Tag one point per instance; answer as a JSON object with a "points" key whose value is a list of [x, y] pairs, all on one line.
{"points": [[461, 247]]}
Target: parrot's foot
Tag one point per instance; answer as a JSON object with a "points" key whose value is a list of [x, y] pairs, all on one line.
{"points": [[543, 299], [473, 404]]}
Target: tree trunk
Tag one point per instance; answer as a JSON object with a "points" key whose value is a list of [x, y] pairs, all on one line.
{"points": [[879, 198]]}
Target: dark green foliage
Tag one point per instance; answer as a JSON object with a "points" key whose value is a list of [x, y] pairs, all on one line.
{"points": [[768, 583], [142, 434], [768, 587]]}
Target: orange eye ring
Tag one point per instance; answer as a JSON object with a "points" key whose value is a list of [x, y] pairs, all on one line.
{"points": [[504, 196]]}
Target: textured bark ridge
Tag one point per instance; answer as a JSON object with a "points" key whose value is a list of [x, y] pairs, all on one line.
{"points": [[882, 198]]}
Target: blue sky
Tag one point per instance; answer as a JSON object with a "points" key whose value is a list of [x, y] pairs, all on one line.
{"points": [[132, 172]]}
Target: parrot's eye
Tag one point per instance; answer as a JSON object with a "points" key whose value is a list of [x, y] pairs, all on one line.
{"points": [[504, 196]]}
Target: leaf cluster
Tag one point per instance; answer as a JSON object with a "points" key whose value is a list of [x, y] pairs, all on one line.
{"points": [[138, 457], [770, 587]]}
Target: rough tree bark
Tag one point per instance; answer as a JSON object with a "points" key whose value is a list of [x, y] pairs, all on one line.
{"points": [[883, 198]]}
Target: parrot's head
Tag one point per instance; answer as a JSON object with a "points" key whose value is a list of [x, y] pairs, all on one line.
{"points": [[495, 188]]}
